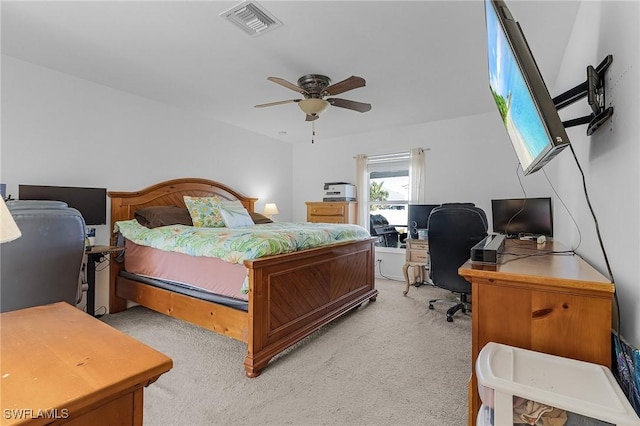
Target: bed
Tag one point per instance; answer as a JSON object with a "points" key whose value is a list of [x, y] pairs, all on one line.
{"points": [[289, 295]]}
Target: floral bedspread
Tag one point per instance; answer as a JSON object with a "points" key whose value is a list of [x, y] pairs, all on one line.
{"points": [[235, 245]]}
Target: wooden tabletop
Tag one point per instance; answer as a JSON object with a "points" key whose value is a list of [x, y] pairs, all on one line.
{"points": [[543, 264], [56, 357], [103, 249]]}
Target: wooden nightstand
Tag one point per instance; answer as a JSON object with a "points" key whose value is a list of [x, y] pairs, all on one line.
{"points": [[61, 366], [417, 255], [332, 211]]}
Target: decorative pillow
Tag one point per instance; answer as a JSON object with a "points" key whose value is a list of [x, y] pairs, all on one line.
{"points": [[156, 216], [205, 211], [259, 218], [235, 215]]}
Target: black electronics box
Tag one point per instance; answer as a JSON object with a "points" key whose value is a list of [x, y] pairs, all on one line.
{"points": [[488, 250]]}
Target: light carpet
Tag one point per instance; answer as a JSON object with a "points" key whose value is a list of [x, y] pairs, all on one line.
{"points": [[390, 362]]}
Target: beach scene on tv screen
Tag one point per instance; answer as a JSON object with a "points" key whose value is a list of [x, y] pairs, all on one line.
{"points": [[512, 97]]}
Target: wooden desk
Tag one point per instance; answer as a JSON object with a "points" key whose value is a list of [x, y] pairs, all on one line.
{"points": [[62, 366], [417, 255], [557, 304]]}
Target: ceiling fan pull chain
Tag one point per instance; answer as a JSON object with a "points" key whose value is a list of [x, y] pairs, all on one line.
{"points": [[313, 131]]}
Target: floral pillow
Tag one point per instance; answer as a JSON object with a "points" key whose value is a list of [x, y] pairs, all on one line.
{"points": [[235, 215], [205, 211]]}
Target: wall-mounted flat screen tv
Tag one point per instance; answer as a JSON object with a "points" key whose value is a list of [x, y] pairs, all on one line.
{"points": [[90, 202], [515, 217], [527, 110]]}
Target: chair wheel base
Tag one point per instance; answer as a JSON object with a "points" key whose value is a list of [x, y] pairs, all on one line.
{"points": [[430, 306], [449, 319]]}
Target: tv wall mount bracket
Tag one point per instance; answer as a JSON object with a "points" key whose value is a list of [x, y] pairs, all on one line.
{"points": [[593, 90]]}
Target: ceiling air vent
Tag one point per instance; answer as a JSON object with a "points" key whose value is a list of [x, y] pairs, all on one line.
{"points": [[252, 18]]}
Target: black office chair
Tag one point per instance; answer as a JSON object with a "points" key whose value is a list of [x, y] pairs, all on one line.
{"points": [[453, 230]]}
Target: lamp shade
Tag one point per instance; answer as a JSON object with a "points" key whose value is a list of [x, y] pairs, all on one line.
{"points": [[313, 106], [9, 231], [270, 209]]}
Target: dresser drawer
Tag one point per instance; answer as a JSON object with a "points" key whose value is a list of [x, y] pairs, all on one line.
{"points": [[327, 209], [418, 256], [326, 219], [419, 245]]}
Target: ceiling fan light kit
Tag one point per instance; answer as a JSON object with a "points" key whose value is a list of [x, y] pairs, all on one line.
{"points": [[314, 88], [313, 106]]}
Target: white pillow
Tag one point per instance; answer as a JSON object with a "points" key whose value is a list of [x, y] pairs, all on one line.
{"points": [[234, 215]]}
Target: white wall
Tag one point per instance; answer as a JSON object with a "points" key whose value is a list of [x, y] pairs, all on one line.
{"points": [[611, 157], [469, 159], [61, 130]]}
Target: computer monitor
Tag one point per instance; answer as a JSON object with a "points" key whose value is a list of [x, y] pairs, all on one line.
{"points": [[90, 202], [418, 215], [522, 216]]}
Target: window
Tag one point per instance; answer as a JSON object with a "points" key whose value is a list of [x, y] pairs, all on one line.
{"points": [[389, 187], [388, 179]]}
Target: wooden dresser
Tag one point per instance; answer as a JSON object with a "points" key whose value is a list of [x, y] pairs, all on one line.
{"points": [[62, 366], [332, 212], [552, 303]]}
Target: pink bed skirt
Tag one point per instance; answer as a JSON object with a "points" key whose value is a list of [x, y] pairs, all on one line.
{"points": [[207, 273]]}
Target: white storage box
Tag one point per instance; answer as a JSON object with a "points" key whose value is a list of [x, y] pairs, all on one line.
{"points": [[583, 388]]}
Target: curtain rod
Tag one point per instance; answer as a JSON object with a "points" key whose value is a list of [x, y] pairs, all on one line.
{"points": [[392, 153]]}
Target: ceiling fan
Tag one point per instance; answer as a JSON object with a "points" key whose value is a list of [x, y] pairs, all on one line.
{"points": [[314, 88]]}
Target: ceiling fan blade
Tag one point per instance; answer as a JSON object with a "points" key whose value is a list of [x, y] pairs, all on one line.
{"points": [[344, 103], [311, 117], [350, 83], [277, 103], [285, 83]]}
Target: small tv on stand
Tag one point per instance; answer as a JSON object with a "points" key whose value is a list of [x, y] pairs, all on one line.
{"points": [[518, 217]]}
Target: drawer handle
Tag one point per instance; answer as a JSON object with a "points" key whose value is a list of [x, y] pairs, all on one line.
{"points": [[541, 313]]}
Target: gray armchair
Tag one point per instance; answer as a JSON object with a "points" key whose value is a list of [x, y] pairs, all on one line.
{"points": [[43, 265]]}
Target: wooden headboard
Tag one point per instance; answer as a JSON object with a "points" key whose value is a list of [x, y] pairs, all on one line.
{"points": [[170, 193]]}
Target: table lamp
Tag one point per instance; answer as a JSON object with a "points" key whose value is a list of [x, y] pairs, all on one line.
{"points": [[9, 231], [270, 209]]}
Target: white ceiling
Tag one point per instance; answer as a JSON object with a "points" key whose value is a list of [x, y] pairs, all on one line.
{"points": [[422, 60]]}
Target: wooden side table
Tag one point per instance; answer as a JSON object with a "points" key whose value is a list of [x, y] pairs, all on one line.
{"points": [[417, 255], [62, 366], [95, 255]]}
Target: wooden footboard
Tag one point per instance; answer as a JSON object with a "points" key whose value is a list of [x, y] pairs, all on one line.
{"points": [[293, 295]]}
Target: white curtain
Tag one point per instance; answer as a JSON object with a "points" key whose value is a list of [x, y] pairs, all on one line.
{"points": [[362, 190], [416, 176]]}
